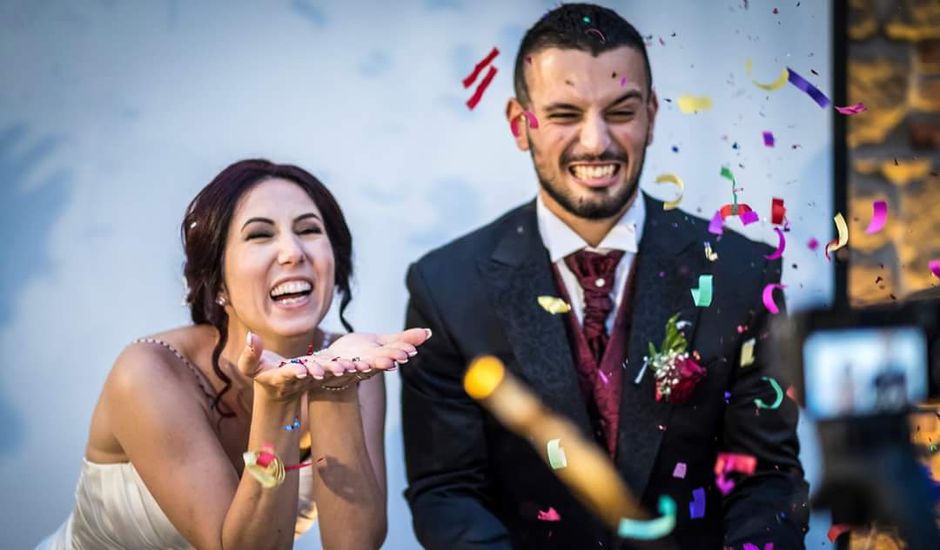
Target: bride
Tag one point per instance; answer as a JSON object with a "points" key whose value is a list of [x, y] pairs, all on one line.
{"points": [[183, 411]]}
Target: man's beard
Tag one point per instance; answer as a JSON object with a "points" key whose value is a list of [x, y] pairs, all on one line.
{"points": [[604, 206]]}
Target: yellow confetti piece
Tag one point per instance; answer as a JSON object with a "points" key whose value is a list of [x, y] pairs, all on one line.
{"points": [[780, 82], [709, 253], [553, 305], [691, 103], [556, 455], [747, 353], [674, 179], [843, 234]]}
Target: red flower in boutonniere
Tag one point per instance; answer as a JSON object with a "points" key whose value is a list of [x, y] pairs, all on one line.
{"points": [[675, 371]]}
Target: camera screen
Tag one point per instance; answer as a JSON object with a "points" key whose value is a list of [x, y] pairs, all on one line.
{"points": [[864, 371]]}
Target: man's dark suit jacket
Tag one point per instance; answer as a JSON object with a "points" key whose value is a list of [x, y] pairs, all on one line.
{"points": [[474, 485]]}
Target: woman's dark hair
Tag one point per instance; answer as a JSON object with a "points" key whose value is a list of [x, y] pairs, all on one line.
{"points": [[585, 27], [205, 231]]}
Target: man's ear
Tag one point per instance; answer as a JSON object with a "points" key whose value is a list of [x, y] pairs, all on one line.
{"points": [[652, 107], [516, 112]]}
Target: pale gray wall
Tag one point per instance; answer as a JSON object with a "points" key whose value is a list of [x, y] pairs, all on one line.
{"points": [[113, 114]]}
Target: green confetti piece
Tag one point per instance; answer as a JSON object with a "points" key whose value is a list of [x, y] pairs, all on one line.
{"points": [[651, 529], [760, 402], [556, 455], [703, 294]]}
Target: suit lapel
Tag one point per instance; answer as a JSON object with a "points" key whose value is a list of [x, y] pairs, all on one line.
{"points": [[518, 272], [668, 267]]}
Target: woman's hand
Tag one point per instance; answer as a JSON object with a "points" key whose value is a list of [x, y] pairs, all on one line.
{"points": [[276, 377], [367, 354]]}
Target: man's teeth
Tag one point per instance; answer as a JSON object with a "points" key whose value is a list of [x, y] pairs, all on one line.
{"points": [[290, 287], [584, 172]]}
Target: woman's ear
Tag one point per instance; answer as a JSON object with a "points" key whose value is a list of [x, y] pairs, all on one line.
{"points": [[518, 123]]}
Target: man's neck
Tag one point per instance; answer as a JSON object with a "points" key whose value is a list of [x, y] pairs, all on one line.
{"points": [[592, 231]]}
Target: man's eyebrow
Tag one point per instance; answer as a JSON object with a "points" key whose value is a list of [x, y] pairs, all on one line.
{"points": [[262, 220], [632, 94], [558, 106], [561, 106]]}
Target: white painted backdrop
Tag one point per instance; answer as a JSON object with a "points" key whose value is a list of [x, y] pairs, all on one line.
{"points": [[113, 114]]}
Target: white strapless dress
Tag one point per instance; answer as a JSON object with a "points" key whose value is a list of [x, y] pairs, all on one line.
{"points": [[114, 510]]}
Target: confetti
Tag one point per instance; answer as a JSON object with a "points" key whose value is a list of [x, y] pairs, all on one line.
{"points": [[703, 294], [768, 296], [697, 506], [747, 353], [715, 225], [471, 78], [692, 104], [679, 470], [813, 244], [780, 81], [475, 98], [778, 212], [651, 529], [549, 515], [768, 139], [727, 463], [850, 110], [710, 254], [553, 305], [777, 400], [674, 179], [623, 81], [295, 425], [749, 217], [749, 546], [530, 118], [934, 267], [836, 244], [556, 455], [836, 531], [878, 218], [812, 91], [781, 245]]}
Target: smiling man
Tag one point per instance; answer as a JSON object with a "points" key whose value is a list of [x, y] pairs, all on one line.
{"points": [[626, 266]]}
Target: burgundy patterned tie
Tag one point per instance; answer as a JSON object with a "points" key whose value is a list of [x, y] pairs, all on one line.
{"points": [[595, 273]]}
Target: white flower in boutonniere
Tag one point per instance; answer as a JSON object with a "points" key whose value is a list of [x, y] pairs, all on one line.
{"points": [[675, 371]]}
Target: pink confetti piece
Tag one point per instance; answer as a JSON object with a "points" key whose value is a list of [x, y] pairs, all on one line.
{"points": [[533, 122], [749, 546], [855, 109], [781, 245], [697, 506], [471, 78], [679, 470], [715, 226], [727, 463], [603, 377], [813, 244], [623, 81], [768, 139], [478, 93], [749, 217], [934, 267], [550, 515], [768, 296], [878, 218]]}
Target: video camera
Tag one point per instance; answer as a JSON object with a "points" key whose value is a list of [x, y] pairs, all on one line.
{"points": [[859, 374]]}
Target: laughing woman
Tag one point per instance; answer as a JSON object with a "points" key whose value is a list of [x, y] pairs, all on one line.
{"points": [[183, 411]]}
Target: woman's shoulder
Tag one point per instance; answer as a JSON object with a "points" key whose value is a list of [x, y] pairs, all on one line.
{"points": [[156, 358]]}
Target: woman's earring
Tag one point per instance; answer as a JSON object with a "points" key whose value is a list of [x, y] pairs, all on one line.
{"points": [[221, 300]]}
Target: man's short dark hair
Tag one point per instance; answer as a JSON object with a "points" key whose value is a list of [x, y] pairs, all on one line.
{"points": [[568, 27]]}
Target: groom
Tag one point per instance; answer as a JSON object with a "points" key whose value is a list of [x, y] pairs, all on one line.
{"points": [[626, 266]]}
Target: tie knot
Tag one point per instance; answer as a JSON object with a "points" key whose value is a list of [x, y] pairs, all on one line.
{"points": [[595, 272]]}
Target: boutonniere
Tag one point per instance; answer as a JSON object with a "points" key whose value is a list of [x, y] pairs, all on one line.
{"points": [[676, 372], [554, 305]]}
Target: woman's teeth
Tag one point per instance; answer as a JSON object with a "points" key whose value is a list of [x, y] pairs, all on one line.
{"points": [[291, 287], [596, 171]]}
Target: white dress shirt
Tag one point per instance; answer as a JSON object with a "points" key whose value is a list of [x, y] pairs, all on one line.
{"points": [[561, 240]]}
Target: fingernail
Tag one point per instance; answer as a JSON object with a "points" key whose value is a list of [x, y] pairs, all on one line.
{"points": [[248, 341], [318, 376], [302, 373], [403, 361], [428, 331], [413, 353]]}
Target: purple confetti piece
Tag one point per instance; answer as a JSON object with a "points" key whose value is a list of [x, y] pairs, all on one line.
{"points": [[697, 506], [749, 217], [768, 139], [813, 244], [715, 226], [679, 470], [724, 485], [749, 546], [623, 81], [812, 91]]}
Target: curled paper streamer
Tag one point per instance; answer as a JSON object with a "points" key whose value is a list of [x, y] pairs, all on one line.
{"points": [[855, 109], [691, 104], [843, 235], [768, 296], [553, 305], [749, 217], [777, 400], [934, 266], [739, 210], [780, 81], [697, 506], [781, 245], [778, 212], [556, 455], [878, 218], [716, 223], [679, 471], [550, 515], [768, 139], [703, 294], [674, 179], [812, 91], [530, 119], [651, 529], [747, 353], [727, 463]]}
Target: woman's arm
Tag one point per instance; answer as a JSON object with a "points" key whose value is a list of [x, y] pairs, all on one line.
{"points": [[170, 441], [347, 430]]}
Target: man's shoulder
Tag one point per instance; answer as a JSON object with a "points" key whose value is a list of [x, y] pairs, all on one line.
{"points": [[730, 241]]}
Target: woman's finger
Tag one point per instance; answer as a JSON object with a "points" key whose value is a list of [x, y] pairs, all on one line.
{"points": [[413, 336], [249, 359]]}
